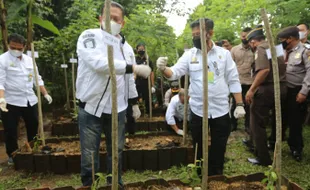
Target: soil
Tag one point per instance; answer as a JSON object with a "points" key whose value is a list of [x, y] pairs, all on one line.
{"points": [[132, 143]]}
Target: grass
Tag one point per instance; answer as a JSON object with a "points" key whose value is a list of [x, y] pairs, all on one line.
{"points": [[236, 164]]}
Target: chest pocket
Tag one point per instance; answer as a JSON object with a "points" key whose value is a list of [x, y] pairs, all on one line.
{"points": [[296, 65], [195, 71]]}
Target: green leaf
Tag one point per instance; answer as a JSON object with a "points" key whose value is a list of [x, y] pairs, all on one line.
{"points": [[45, 24], [274, 176], [191, 165], [100, 175], [264, 181]]}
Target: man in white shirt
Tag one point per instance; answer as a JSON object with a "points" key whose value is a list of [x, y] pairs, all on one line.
{"points": [[223, 80], [17, 98], [175, 112], [94, 92]]}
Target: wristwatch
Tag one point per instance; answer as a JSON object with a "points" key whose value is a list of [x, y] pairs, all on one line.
{"points": [[240, 104]]}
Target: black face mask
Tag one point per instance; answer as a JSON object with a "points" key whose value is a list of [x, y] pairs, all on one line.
{"points": [[245, 42], [285, 44], [197, 42], [141, 53]]}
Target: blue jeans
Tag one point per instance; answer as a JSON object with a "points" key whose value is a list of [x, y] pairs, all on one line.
{"points": [[91, 128]]}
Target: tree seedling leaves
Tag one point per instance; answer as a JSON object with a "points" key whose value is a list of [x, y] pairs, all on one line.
{"points": [[45, 24]]}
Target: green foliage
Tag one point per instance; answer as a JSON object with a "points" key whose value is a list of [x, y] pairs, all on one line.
{"points": [[189, 174], [45, 24], [271, 178], [37, 143]]}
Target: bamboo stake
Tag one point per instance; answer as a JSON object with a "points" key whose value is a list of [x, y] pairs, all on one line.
{"points": [[66, 83], [41, 130], [205, 127], [149, 85], [185, 117], [73, 84], [162, 88], [93, 166], [277, 97], [114, 101]]}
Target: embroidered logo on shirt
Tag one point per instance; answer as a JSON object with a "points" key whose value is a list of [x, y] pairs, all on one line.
{"points": [[89, 43], [194, 60], [297, 56], [220, 57], [12, 65]]}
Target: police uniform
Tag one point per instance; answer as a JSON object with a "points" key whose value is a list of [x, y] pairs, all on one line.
{"points": [[142, 83], [298, 81], [263, 100], [223, 80], [93, 89]]}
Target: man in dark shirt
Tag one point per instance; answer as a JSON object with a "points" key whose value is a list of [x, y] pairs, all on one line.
{"points": [[142, 83], [261, 94]]}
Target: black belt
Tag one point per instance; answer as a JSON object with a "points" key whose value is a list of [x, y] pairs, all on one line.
{"points": [[81, 104]]}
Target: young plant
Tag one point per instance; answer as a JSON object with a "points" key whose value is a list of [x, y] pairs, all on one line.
{"points": [[271, 178], [100, 177], [36, 144], [190, 175]]}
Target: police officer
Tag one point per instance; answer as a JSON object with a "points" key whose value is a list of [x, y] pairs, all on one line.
{"points": [[244, 58], [93, 90], [304, 31], [298, 83], [174, 89], [223, 80], [142, 83], [17, 98], [261, 94]]}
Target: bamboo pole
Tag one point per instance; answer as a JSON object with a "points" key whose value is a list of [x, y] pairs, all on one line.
{"points": [[149, 85], [162, 88], [73, 83], [66, 83], [40, 127], [277, 97], [93, 166], [185, 110], [114, 101], [205, 126]]}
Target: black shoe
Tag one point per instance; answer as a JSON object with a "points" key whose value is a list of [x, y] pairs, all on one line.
{"points": [[248, 144], [297, 155], [254, 161]]}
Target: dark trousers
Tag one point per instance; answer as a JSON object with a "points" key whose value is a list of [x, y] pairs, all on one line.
{"points": [[234, 121], [131, 123], [143, 92], [296, 115], [220, 131], [263, 102], [10, 123]]}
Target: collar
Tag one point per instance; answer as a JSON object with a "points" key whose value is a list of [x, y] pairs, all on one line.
{"points": [[15, 58], [242, 47], [297, 47]]}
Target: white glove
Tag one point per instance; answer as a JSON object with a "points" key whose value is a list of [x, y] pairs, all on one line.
{"points": [[239, 112], [136, 112], [3, 105], [48, 98], [180, 132], [153, 90], [161, 63], [142, 70]]}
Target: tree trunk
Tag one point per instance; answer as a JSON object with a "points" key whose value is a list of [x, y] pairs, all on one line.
{"points": [[278, 151], [114, 102], [4, 30], [205, 126], [29, 25]]}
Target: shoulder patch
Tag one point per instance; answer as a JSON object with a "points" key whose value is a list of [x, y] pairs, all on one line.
{"points": [[89, 43], [307, 46]]}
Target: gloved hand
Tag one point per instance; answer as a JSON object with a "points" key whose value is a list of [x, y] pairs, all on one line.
{"points": [[136, 111], [48, 98], [180, 132], [142, 70], [153, 90], [162, 63], [239, 112], [3, 105]]}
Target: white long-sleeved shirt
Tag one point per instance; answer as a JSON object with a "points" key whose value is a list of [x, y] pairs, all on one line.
{"points": [[226, 79], [17, 79], [175, 110], [93, 85]]}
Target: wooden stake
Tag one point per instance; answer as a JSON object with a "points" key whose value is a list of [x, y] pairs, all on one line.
{"points": [[114, 101], [4, 29], [185, 110], [73, 84], [93, 166], [162, 88], [41, 130], [196, 150], [205, 126], [149, 86], [66, 83], [277, 97]]}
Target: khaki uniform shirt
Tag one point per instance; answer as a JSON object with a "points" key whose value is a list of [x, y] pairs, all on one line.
{"points": [[298, 68], [262, 62], [244, 58]]}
